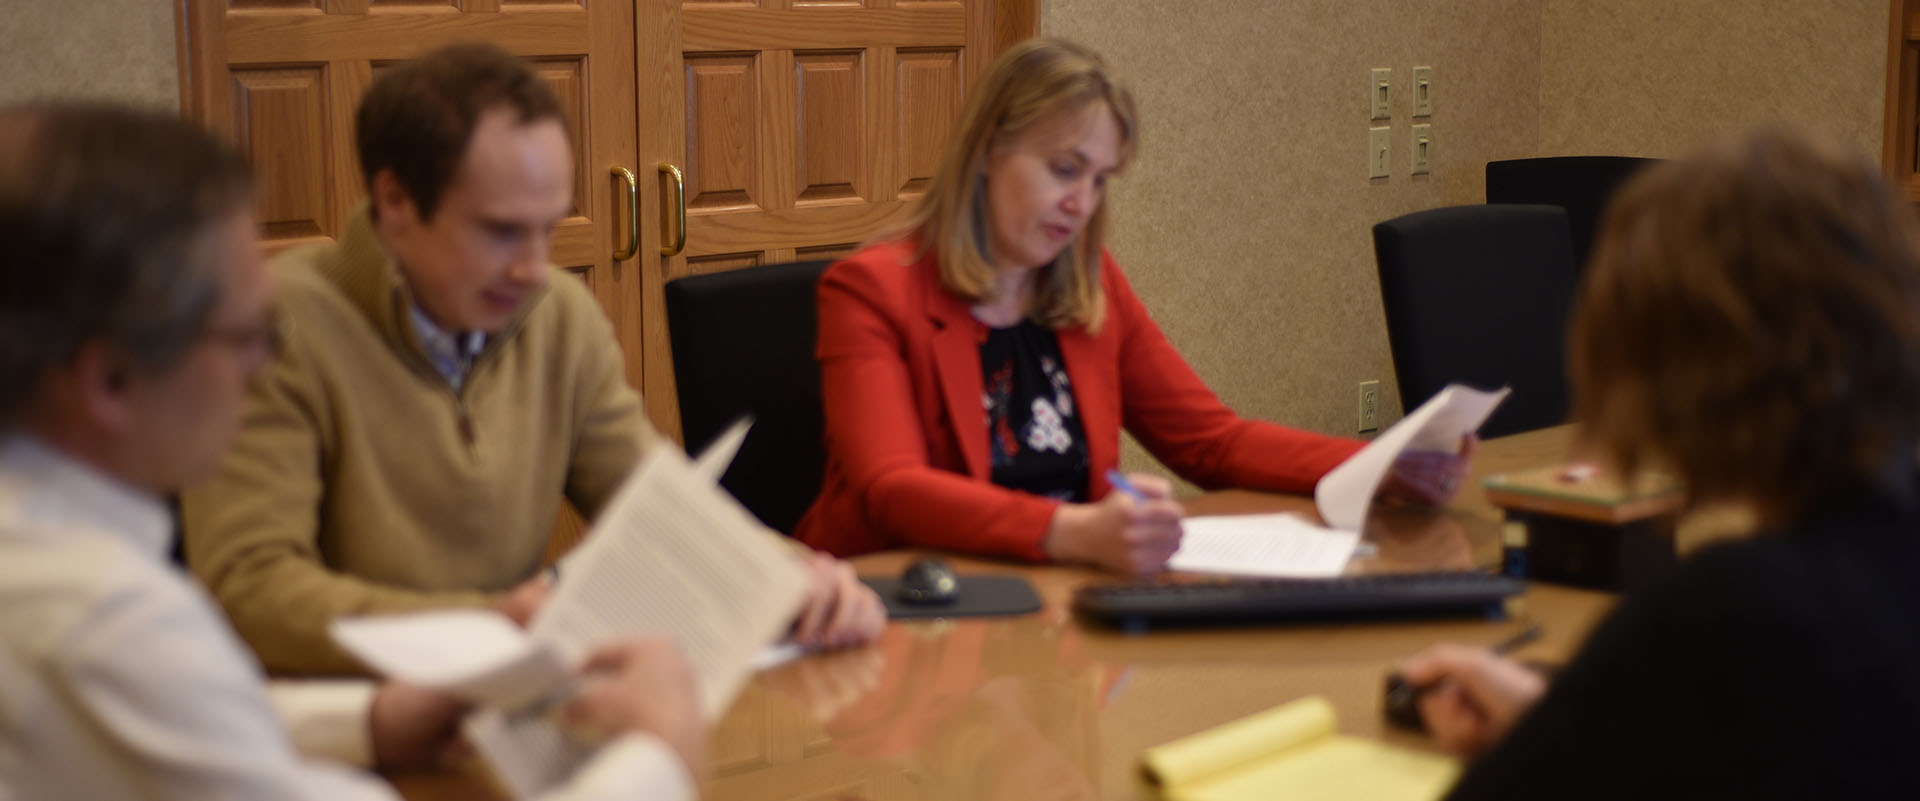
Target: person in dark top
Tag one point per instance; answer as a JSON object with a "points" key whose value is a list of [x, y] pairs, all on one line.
{"points": [[978, 365], [1751, 323], [1038, 445]]}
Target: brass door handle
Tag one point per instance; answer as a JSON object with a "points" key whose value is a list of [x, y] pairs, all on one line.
{"points": [[680, 205], [633, 214]]}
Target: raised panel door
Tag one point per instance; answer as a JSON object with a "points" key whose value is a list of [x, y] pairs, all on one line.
{"points": [[802, 127]]}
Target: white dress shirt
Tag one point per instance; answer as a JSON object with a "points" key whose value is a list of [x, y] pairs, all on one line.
{"points": [[119, 679]]}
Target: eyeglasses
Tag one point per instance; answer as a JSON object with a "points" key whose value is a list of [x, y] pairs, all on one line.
{"points": [[265, 337]]}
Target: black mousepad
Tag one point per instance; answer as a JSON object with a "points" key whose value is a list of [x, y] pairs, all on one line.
{"points": [[979, 596]]}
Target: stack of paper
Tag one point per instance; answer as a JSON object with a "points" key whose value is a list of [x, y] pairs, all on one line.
{"points": [[1262, 545], [671, 555], [475, 655], [1284, 545]]}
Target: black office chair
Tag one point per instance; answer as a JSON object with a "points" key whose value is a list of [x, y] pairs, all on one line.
{"points": [[743, 344], [1580, 184], [1479, 295]]}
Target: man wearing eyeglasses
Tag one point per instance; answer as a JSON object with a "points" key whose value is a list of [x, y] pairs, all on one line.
{"points": [[134, 311]]}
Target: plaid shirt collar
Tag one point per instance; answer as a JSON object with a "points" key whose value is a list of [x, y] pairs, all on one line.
{"points": [[452, 354]]}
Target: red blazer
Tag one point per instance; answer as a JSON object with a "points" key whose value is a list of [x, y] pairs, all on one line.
{"points": [[906, 431]]}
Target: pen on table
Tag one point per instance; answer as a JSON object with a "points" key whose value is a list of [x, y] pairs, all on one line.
{"points": [[1402, 704], [1121, 483], [1518, 640]]}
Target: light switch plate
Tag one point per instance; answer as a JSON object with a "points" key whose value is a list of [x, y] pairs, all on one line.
{"points": [[1422, 91], [1422, 149], [1380, 92], [1379, 142]]}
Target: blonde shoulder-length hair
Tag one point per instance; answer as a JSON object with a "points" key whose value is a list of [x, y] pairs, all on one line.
{"points": [[1031, 83]]}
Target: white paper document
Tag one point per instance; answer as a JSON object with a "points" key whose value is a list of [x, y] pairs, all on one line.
{"points": [[475, 655], [1345, 493], [1279, 545], [711, 463], [776, 655], [670, 555]]}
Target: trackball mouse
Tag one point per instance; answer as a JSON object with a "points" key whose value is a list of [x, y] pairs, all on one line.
{"points": [[930, 582]]}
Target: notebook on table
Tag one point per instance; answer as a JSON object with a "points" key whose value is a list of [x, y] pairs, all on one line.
{"points": [[1293, 752]]}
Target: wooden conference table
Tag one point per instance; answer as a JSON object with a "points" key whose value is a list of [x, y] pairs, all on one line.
{"points": [[1046, 706]]}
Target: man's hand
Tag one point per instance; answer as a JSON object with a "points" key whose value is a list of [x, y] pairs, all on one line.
{"points": [[412, 725], [642, 685], [839, 611], [523, 602]]}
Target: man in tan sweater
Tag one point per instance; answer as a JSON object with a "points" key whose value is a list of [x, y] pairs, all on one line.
{"points": [[437, 394], [134, 307]]}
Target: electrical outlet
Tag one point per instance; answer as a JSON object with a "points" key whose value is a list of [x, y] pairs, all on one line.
{"points": [[1369, 406]]}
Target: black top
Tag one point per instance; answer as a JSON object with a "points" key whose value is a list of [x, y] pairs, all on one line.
{"points": [[1783, 667], [1033, 429]]}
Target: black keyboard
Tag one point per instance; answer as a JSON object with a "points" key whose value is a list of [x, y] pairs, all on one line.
{"points": [[1383, 596]]}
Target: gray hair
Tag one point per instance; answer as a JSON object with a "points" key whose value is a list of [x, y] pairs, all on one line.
{"points": [[106, 222]]}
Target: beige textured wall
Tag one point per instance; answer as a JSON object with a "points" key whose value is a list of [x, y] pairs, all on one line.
{"points": [[97, 49], [1660, 77], [1245, 222]]}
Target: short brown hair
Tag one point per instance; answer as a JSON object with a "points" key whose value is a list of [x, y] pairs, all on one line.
{"points": [[106, 217], [1033, 82], [418, 117], [1751, 321]]}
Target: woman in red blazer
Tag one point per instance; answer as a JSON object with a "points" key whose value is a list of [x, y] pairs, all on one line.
{"points": [[977, 368]]}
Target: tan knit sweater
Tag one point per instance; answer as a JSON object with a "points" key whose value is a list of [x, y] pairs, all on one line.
{"points": [[361, 482]]}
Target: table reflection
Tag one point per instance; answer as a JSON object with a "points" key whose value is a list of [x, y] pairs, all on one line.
{"points": [[955, 709], [1045, 706]]}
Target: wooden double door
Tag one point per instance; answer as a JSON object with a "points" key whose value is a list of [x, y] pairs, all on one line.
{"points": [[800, 126]]}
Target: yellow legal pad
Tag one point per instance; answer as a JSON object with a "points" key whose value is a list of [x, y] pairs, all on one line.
{"points": [[1292, 752]]}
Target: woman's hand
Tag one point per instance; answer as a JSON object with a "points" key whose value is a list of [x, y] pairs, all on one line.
{"points": [[1473, 696], [1430, 478], [1119, 533], [839, 611]]}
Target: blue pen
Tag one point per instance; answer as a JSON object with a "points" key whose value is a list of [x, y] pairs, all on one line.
{"points": [[1121, 483]]}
